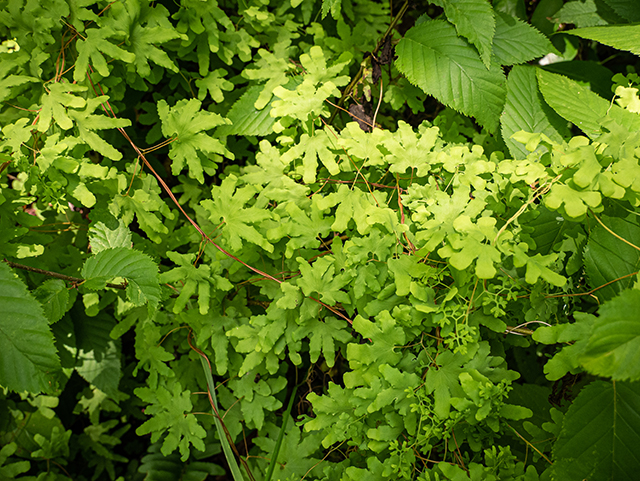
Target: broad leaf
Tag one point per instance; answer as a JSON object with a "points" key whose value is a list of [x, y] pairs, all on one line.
{"points": [[517, 42], [525, 109], [474, 20], [27, 354], [54, 297], [600, 434], [614, 346], [246, 119], [586, 13], [628, 9], [580, 106], [609, 260], [622, 37], [137, 268], [434, 58], [102, 237], [103, 371]]}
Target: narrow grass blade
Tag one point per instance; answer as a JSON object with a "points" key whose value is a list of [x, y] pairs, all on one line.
{"points": [[276, 449]]}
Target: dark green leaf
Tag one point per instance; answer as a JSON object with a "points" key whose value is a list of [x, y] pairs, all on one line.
{"points": [[600, 433], [27, 354]]}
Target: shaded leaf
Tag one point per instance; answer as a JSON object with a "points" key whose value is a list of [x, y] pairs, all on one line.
{"points": [[608, 258], [599, 434], [614, 345], [27, 353]]}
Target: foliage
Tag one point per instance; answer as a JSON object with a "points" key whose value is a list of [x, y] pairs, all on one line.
{"points": [[406, 239]]}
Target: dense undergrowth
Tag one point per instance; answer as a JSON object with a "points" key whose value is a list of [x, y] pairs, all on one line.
{"points": [[302, 239]]}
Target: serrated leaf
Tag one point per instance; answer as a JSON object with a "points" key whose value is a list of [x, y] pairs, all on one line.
{"points": [[622, 37], [91, 48], [474, 20], [599, 434], [628, 9], [608, 259], [103, 372], [586, 13], [189, 124], [434, 58], [580, 106], [27, 352], [525, 109], [518, 42], [102, 237], [614, 345], [54, 297], [137, 268], [246, 119]]}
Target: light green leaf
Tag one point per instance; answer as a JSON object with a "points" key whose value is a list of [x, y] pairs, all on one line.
{"points": [[614, 346], [102, 237], [332, 6], [188, 123], [214, 83], [434, 58], [525, 109], [518, 42], [323, 337], [91, 48], [246, 119], [228, 206], [474, 20], [55, 103], [88, 123], [581, 106], [599, 434], [27, 353], [137, 268], [622, 37]]}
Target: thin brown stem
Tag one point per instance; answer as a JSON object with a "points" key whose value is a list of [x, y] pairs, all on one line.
{"points": [[73, 280]]}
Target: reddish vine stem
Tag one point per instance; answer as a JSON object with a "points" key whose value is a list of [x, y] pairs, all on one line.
{"points": [[166, 188]]}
